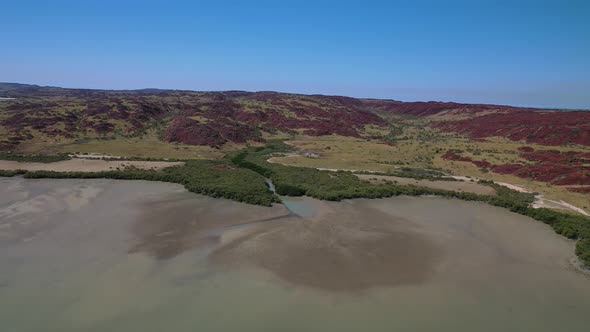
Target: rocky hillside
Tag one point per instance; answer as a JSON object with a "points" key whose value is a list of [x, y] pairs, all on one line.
{"points": [[215, 118], [546, 127], [197, 118]]}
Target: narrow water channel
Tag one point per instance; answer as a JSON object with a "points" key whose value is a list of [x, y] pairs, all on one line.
{"points": [[298, 206]]}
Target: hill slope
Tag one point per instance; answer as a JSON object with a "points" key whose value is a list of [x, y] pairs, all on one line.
{"points": [[216, 118], [546, 127], [196, 118]]}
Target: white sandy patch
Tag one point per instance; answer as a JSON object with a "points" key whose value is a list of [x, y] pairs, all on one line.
{"points": [[514, 187], [85, 165], [540, 200]]}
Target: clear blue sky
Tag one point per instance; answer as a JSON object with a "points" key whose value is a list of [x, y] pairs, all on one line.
{"points": [[534, 53]]}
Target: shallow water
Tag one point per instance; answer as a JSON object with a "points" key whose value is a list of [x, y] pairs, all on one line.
{"points": [[297, 206], [300, 206], [105, 255]]}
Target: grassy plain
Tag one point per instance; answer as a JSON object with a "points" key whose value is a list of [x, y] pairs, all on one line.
{"points": [[147, 146], [417, 145]]}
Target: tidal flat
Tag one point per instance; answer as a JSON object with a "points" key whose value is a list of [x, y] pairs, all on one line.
{"points": [[111, 255]]}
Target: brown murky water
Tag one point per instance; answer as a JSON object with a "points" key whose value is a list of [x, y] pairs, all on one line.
{"points": [[104, 255]]}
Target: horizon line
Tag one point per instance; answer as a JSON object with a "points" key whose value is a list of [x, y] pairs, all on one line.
{"points": [[304, 94]]}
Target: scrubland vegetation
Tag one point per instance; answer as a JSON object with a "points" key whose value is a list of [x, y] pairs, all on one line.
{"points": [[241, 177], [33, 158], [297, 181], [211, 178], [396, 138]]}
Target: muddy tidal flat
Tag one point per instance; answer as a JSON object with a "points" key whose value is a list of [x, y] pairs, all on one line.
{"points": [[108, 255]]}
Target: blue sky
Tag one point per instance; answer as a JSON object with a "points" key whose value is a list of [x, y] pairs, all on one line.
{"points": [[534, 53]]}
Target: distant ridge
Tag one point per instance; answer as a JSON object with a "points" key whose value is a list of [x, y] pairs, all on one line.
{"points": [[214, 118], [15, 86], [8, 86]]}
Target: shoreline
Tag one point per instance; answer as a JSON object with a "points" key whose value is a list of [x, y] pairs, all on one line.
{"points": [[85, 165], [250, 172], [322, 208], [95, 163], [579, 267], [540, 201]]}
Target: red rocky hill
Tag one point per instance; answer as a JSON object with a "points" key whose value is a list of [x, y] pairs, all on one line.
{"points": [[547, 127], [216, 118], [198, 118]]}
